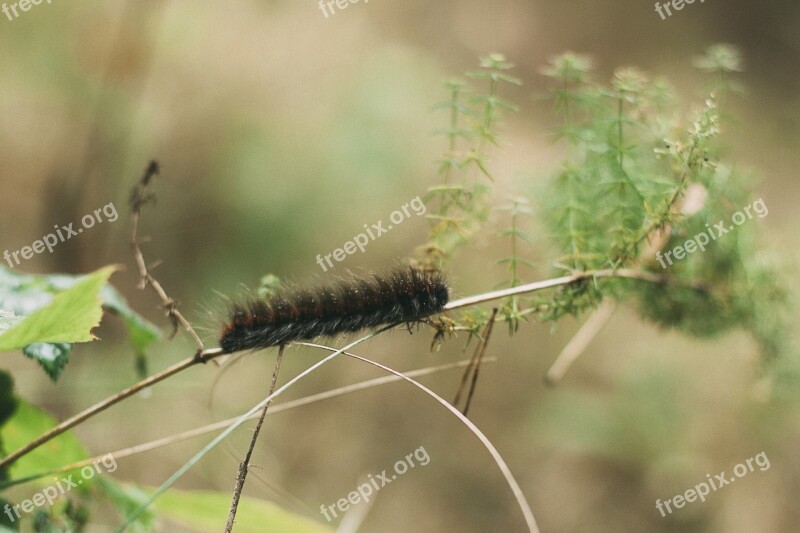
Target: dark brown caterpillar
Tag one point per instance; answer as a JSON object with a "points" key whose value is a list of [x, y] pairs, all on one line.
{"points": [[405, 294]]}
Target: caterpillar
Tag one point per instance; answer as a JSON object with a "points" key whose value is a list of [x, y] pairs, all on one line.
{"points": [[404, 294]]}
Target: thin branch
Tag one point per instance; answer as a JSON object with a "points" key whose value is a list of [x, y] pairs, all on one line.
{"points": [[222, 424], [625, 273], [577, 345], [96, 409], [484, 343], [474, 362], [245, 464], [212, 353], [139, 198], [668, 209], [288, 498], [230, 429], [506, 471], [656, 235], [467, 371]]}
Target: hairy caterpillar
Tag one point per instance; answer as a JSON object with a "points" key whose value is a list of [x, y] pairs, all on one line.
{"points": [[404, 294]]}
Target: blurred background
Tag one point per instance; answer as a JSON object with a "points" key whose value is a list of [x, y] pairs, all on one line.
{"points": [[280, 133]]}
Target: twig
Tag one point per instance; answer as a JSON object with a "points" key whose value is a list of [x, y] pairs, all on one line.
{"points": [[484, 343], [139, 197], [659, 233], [288, 497], [625, 273], [576, 346], [212, 353], [98, 408], [668, 209], [474, 361], [136, 513], [506, 471], [222, 424], [465, 376], [245, 464]]}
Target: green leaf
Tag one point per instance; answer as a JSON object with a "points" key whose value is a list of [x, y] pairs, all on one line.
{"points": [[208, 511], [70, 317], [27, 423], [21, 294], [53, 358]]}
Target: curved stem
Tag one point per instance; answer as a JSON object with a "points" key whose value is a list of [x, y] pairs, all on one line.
{"points": [[625, 273], [239, 421], [222, 424], [212, 353], [96, 409], [506, 471]]}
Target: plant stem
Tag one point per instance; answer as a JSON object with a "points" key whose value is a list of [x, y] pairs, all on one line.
{"points": [[506, 471], [222, 424], [625, 273], [212, 353], [245, 464]]}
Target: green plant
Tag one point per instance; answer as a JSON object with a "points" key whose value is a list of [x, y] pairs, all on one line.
{"points": [[461, 198], [640, 174], [636, 158]]}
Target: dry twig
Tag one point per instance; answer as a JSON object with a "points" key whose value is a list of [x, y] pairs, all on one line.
{"points": [[212, 353], [245, 464], [140, 197], [475, 364]]}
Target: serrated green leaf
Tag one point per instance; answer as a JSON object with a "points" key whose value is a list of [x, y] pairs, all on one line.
{"points": [[70, 316], [53, 357], [21, 294], [208, 511]]}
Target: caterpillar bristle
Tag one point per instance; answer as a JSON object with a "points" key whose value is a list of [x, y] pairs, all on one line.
{"points": [[404, 294]]}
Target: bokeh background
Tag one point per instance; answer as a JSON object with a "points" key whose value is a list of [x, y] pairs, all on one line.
{"points": [[281, 133]]}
